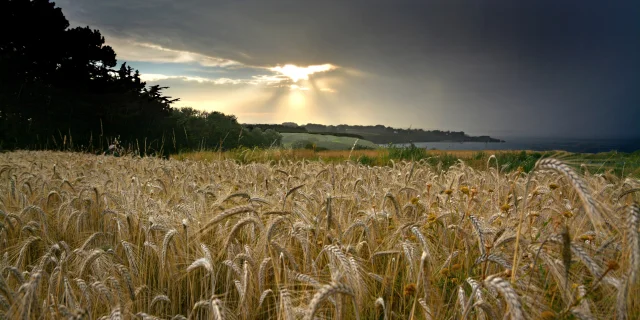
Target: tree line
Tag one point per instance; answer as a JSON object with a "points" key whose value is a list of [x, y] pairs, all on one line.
{"points": [[379, 134], [61, 88]]}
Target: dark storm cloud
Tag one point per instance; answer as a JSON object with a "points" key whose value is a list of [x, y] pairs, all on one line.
{"points": [[563, 67]]}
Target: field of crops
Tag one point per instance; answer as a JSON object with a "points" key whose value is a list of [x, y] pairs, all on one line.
{"points": [[621, 164], [89, 237]]}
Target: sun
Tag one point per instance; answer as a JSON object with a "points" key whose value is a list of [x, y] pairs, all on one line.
{"points": [[296, 73], [305, 92]]}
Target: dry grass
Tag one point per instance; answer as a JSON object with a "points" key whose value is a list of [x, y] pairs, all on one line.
{"points": [[264, 155], [89, 237], [307, 154]]}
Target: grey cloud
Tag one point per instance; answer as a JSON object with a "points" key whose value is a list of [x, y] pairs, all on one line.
{"points": [[540, 66]]}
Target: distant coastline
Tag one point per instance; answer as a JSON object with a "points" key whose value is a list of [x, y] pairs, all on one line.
{"points": [[584, 145]]}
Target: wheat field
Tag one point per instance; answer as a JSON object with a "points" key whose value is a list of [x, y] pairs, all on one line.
{"points": [[95, 237]]}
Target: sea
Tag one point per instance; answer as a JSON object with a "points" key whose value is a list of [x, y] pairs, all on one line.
{"points": [[579, 145]]}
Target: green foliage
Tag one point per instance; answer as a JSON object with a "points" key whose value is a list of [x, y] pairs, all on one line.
{"points": [[199, 130], [479, 156], [368, 161], [277, 127], [512, 161], [617, 163], [307, 145], [302, 144], [445, 160], [410, 152]]}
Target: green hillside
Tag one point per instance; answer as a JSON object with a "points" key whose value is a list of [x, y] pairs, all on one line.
{"points": [[300, 140]]}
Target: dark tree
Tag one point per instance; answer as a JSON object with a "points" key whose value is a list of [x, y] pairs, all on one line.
{"points": [[59, 90], [58, 84]]}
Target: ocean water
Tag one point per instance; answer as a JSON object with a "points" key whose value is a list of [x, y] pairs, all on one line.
{"points": [[540, 144]]}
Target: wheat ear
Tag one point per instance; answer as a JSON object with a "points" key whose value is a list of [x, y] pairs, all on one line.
{"points": [[510, 295], [324, 293]]}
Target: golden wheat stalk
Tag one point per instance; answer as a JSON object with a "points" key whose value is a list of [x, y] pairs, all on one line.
{"points": [[509, 295], [324, 293]]}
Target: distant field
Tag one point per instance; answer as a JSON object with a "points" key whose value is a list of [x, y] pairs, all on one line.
{"points": [[324, 141], [621, 164]]}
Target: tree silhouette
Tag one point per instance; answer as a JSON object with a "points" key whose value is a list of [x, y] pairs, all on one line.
{"points": [[59, 89]]}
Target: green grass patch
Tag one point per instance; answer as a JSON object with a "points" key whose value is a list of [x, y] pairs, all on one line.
{"points": [[410, 152], [327, 142]]}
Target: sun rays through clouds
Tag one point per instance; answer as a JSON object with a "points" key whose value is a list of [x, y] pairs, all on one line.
{"points": [[296, 73], [254, 93]]}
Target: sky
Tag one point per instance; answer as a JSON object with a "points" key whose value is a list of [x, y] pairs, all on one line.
{"points": [[503, 68]]}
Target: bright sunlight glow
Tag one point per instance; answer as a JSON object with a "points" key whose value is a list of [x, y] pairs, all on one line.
{"points": [[301, 73], [297, 87], [297, 100]]}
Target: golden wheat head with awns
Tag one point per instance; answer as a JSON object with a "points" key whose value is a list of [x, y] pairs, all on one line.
{"points": [[90, 237]]}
